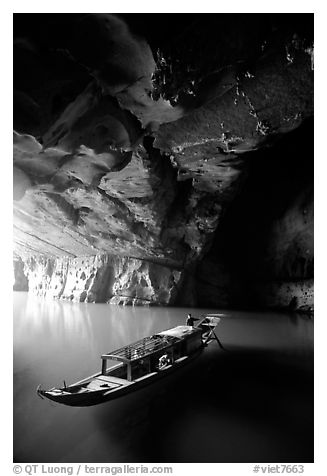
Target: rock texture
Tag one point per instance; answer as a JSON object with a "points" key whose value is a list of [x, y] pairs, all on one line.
{"points": [[103, 278], [263, 251], [131, 146]]}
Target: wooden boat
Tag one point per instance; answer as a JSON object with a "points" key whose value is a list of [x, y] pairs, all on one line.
{"points": [[139, 364]]}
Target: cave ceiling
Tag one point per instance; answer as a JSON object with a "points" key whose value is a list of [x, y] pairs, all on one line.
{"points": [[132, 133]]}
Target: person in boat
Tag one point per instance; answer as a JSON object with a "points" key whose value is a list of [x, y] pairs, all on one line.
{"points": [[190, 320]]}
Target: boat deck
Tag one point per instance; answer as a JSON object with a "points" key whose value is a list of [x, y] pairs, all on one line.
{"points": [[101, 382]]}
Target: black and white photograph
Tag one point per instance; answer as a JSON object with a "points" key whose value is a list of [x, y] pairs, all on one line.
{"points": [[163, 240]]}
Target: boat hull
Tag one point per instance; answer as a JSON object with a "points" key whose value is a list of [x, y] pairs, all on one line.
{"points": [[97, 397], [79, 400]]}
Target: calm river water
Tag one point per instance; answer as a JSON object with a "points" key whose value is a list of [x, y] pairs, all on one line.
{"points": [[251, 403]]}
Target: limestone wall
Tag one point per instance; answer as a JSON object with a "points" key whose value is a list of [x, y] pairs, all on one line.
{"points": [[102, 278]]}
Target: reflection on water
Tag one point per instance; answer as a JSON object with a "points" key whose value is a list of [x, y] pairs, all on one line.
{"points": [[252, 403]]}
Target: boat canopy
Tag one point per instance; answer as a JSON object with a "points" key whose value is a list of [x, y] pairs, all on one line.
{"points": [[142, 348]]}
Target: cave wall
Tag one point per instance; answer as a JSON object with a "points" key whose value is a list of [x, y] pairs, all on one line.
{"points": [[263, 251], [103, 278], [141, 158]]}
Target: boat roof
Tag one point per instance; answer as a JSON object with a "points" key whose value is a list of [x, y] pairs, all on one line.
{"points": [[150, 345], [180, 331]]}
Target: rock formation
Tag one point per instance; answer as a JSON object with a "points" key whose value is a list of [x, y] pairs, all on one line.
{"points": [[103, 278], [131, 147]]}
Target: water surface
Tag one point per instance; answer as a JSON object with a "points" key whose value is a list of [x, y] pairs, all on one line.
{"points": [[251, 403]]}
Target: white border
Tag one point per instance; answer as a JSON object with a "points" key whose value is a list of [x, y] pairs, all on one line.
{"points": [[171, 6]]}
